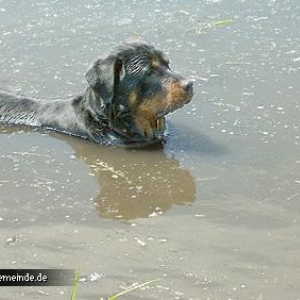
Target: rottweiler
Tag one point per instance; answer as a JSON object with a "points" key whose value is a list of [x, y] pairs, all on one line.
{"points": [[130, 91]]}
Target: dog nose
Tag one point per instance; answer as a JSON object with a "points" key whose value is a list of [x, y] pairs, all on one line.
{"points": [[187, 85]]}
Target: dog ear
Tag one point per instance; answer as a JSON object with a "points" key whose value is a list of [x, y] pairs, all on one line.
{"points": [[104, 76]]}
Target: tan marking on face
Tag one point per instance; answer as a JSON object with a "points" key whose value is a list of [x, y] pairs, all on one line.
{"points": [[161, 124], [177, 96], [132, 99], [146, 127], [149, 114], [145, 117], [144, 114], [155, 63]]}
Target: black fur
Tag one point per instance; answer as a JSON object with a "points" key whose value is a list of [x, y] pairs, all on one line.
{"points": [[102, 113]]}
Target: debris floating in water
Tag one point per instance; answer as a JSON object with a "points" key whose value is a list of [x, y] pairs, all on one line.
{"points": [[200, 27], [223, 23], [140, 242]]}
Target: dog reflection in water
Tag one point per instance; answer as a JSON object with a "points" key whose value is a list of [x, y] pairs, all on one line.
{"points": [[135, 184]]}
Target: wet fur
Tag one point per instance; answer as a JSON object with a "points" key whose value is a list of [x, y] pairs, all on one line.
{"points": [[129, 92]]}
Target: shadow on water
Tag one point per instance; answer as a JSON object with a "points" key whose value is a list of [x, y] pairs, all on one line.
{"points": [[133, 183], [191, 139], [137, 183], [144, 182]]}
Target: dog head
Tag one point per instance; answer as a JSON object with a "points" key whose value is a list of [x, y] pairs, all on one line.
{"points": [[136, 88]]}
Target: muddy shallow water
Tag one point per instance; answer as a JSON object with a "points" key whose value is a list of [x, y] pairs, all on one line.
{"points": [[215, 213]]}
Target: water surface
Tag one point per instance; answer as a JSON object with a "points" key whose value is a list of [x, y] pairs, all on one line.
{"points": [[215, 213]]}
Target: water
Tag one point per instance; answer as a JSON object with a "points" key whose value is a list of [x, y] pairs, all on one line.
{"points": [[215, 214]]}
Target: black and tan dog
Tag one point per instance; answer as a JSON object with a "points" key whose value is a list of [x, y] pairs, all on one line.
{"points": [[130, 91]]}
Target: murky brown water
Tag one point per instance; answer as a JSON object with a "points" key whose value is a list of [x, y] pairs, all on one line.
{"points": [[215, 213]]}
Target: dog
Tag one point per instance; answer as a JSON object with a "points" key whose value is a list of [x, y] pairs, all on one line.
{"points": [[129, 93]]}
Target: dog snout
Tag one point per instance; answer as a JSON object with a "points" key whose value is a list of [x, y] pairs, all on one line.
{"points": [[187, 85]]}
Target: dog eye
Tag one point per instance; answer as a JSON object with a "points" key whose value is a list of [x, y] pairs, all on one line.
{"points": [[166, 63], [151, 72]]}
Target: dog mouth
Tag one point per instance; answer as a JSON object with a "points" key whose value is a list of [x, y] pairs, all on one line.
{"points": [[160, 117], [152, 127], [175, 105], [161, 124], [156, 139]]}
